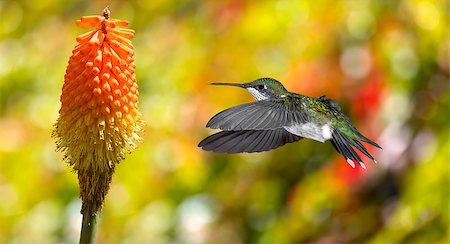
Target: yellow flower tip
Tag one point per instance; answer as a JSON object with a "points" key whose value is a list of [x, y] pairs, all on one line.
{"points": [[99, 120]]}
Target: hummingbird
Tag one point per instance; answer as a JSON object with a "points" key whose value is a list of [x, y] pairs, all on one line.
{"points": [[278, 117]]}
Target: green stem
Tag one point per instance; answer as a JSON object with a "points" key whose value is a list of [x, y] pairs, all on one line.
{"points": [[88, 226]]}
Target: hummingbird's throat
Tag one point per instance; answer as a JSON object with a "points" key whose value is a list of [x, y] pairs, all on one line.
{"points": [[257, 94]]}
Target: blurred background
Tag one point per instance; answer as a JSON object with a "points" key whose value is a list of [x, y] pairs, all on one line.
{"points": [[385, 62]]}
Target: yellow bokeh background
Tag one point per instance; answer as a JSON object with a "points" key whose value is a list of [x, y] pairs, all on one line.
{"points": [[385, 62]]}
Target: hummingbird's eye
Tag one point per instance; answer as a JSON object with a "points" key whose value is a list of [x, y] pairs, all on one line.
{"points": [[261, 87]]}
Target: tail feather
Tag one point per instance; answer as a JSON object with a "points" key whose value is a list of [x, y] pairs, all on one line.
{"points": [[344, 145], [365, 139], [361, 148], [345, 153]]}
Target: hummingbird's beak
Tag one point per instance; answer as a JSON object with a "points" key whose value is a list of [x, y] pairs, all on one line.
{"points": [[228, 84]]}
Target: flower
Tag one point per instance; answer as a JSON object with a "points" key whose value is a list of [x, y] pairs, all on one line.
{"points": [[99, 121]]}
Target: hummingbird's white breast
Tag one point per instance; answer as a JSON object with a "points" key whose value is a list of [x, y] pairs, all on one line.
{"points": [[311, 130]]}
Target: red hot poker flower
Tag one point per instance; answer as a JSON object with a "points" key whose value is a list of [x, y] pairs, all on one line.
{"points": [[99, 120]]}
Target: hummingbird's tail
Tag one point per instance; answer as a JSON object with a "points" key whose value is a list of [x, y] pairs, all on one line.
{"points": [[344, 145]]}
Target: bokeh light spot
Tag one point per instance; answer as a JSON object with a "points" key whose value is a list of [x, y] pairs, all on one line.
{"points": [[427, 15], [356, 62]]}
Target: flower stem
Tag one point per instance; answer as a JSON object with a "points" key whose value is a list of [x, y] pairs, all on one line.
{"points": [[88, 225]]}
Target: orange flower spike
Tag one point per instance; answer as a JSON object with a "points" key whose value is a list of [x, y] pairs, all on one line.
{"points": [[98, 124], [126, 33], [120, 22], [85, 37], [120, 39]]}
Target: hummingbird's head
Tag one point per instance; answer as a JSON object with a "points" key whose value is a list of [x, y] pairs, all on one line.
{"points": [[261, 89]]}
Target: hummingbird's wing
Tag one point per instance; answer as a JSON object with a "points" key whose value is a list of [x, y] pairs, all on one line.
{"points": [[260, 115], [247, 141]]}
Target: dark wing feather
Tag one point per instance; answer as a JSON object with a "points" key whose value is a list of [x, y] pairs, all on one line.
{"points": [[260, 115], [247, 141]]}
